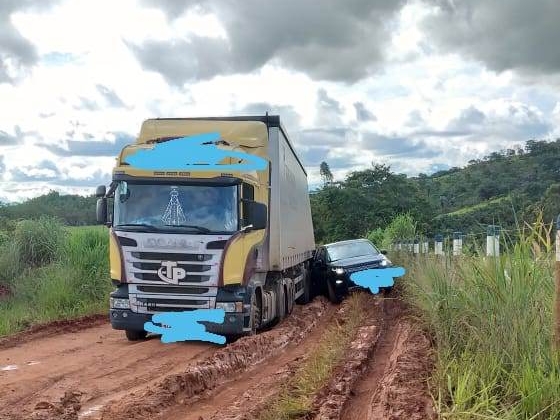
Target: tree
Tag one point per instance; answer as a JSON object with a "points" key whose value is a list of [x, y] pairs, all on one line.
{"points": [[326, 173]]}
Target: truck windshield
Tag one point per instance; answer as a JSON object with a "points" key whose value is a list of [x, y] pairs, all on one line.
{"points": [[163, 207]]}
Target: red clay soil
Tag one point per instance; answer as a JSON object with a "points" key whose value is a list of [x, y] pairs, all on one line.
{"points": [[202, 378], [51, 376], [395, 383], [54, 328]]}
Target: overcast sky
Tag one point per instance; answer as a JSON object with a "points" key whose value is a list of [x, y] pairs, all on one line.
{"points": [[420, 85]]}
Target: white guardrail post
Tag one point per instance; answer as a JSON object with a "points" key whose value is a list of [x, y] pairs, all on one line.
{"points": [[493, 241], [457, 243], [438, 244]]}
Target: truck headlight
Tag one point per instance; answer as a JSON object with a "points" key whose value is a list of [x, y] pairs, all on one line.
{"points": [[230, 306], [119, 303], [339, 271]]}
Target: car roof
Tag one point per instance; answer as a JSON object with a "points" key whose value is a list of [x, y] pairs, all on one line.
{"points": [[349, 241]]}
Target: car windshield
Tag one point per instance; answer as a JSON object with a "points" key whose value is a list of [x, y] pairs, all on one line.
{"points": [[171, 207], [351, 249]]}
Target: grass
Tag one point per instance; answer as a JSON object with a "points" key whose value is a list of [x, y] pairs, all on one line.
{"points": [[491, 320], [479, 206], [296, 396], [53, 273]]}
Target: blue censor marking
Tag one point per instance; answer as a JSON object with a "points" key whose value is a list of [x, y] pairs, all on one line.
{"points": [[373, 279], [184, 326], [190, 153]]}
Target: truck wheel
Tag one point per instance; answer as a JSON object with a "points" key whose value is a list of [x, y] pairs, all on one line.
{"points": [[306, 296], [256, 314], [332, 294], [135, 335]]}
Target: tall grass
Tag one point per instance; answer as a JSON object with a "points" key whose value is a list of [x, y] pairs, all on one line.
{"points": [[52, 277], [491, 320]]}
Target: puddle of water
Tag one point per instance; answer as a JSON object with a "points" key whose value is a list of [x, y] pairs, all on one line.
{"points": [[90, 411], [9, 367]]}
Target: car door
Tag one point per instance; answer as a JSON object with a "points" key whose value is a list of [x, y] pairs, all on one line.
{"points": [[319, 268]]}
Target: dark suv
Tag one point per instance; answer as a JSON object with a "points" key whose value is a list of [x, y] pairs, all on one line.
{"points": [[334, 263]]}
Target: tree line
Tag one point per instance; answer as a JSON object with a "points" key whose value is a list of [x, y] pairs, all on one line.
{"points": [[505, 188]]}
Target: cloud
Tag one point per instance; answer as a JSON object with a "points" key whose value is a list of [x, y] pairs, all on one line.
{"points": [[110, 96], [2, 166], [504, 119], [91, 148], [87, 104], [289, 117], [43, 171], [398, 146], [9, 140], [329, 110], [513, 34], [332, 137], [303, 35], [362, 113], [16, 52]]}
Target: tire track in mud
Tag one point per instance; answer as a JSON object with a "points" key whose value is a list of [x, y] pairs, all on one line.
{"points": [[71, 365], [199, 380], [385, 373]]}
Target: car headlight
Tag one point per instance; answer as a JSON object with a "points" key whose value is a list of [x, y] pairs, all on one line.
{"points": [[119, 303], [230, 306], [385, 262], [339, 271]]}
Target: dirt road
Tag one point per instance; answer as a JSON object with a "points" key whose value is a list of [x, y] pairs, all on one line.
{"points": [[95, 373], [96, 362]]}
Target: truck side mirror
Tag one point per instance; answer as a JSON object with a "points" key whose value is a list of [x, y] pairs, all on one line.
{"points": [[100, 191], [101, 211], [255, 214], [384, 251]]}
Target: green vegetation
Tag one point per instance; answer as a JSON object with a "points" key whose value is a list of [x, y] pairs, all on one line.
{"points": [[491, 320], [51, 273], [504, 188], [296, 397]]}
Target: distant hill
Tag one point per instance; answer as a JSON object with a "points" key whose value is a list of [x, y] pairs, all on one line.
{"points": [[501, 187]]}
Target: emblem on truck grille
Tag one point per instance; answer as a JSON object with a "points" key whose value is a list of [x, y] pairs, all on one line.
{"points": [[170, 273]]}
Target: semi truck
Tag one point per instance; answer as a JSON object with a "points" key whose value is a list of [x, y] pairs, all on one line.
{"points": [[201, 227]]}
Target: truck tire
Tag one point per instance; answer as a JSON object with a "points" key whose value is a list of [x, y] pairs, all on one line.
{"points": [[332, 294], [256, 314], [135, 335], [306, 296]]}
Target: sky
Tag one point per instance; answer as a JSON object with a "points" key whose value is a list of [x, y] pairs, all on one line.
{"points": [[420, 85]]}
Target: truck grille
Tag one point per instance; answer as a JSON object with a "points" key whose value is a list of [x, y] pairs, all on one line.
{"points": [[151, 304]]}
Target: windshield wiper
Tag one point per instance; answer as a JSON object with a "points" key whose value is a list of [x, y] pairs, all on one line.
{"points": [[144, 225], [199, 228]]}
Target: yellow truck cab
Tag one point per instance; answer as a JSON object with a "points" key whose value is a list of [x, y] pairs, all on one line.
{"points": [[216, 233]]}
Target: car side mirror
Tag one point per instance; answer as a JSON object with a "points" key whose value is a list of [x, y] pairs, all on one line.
{"points": [[255, 214], [100, 191], [384, 251], [101, 211]]}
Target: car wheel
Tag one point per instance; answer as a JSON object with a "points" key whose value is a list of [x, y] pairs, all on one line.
{"points": [[332, 294], [135, 335]]}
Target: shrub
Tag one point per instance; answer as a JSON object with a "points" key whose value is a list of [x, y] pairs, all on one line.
{"points": [[39, 242]]}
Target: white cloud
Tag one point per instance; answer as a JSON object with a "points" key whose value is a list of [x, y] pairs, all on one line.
{"points": [[88, 84]]}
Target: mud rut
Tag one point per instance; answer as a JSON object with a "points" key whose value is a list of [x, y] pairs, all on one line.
{"points": [[95, 373]]}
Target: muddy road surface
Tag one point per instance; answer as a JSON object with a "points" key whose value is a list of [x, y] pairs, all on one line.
{"points": [[95, 362], [91, 372]]}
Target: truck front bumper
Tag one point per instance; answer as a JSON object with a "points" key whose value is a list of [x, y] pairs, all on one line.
{"points": [[125, 319]]}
